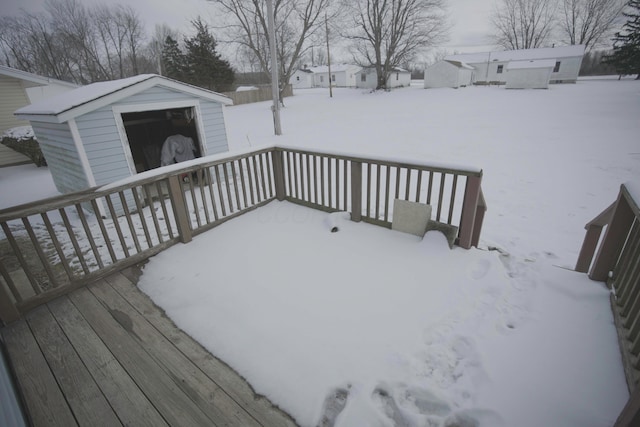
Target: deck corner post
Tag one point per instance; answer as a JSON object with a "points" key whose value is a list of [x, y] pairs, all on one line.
{"points": [[469, 210], [180, 209], [613, 240], [278, 173], [589, 245], [356, 191]]}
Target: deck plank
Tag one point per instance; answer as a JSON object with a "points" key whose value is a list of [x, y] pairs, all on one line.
{"points": [[127, 400], [87, 403], [42, 396], [176, 407], [193, 382], [229, 380]]}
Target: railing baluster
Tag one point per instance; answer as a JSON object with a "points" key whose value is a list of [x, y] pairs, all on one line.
{"points": [[200, 178], [43, 258], [378, 191], [418, 186], [386, 192], [316, 181], [74, 240], [56, 245], [23, 263], [453, 198], [308, 194], [443, 178], [132, 228], [103, 230], [262, 180], [430, 188], [227, 185], [244, 187], [250, 182], [152, 210], [87, 232], [408, 184], [321, 180], [368, 190], [234, 177], [219, 185], [256, 179], [345, 187], [116, 224], [143, 219], [212, 196]]}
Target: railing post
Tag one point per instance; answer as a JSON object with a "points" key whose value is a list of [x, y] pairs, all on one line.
{"points": [[8, 311], [469, 209], [477, 224], [356, 191], [613, 240], [278, 173], [179, 209], [589, 246]]}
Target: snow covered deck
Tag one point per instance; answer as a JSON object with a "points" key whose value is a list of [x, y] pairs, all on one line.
{"points": [[106, 355]]}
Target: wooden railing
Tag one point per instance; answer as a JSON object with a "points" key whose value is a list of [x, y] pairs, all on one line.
{"points": [[49, 247], [617, 262]]}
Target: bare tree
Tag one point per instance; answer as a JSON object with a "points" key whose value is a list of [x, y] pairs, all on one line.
{"points": [[73, 42], [588, 22], [523, 24], [297, 22], [387, 33]]}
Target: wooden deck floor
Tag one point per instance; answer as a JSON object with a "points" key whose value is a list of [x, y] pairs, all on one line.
{"points": [[106, 355]]}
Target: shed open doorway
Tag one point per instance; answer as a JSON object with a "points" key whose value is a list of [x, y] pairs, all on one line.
{"points": [[148, 130]]}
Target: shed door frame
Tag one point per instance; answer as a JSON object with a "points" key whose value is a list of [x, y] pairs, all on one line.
{"points": [[118, 110]]}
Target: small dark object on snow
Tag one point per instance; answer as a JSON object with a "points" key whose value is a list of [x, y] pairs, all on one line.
{"points": [[334, 230]]}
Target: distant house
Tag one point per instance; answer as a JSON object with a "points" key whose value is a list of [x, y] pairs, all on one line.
{"points": [[448, 73], [107, 131], [367, 78], [342, 75], [302, 79], [490, 67], [19, 88], [532, 74]]}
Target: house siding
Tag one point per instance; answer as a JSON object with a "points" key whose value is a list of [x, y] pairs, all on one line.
{"points": [[13, 97], [569, 69], [56, 143]]}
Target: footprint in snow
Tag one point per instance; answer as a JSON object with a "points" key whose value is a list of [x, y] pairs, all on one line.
{"points": [[426, 403], [391, 409], [474, 418], [480, 269], [333, 405]]}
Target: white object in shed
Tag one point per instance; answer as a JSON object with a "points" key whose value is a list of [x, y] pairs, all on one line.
{"points": [[104, 132], [529, 74], [448, 73]]}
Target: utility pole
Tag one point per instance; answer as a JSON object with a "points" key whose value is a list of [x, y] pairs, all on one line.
{"points": [[275, 90], [326, 26]]}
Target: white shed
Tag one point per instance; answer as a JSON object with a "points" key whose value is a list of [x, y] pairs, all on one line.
{"points": [[301, 79], [448, 73], [529, 74], [342, 75], [107, 131]]}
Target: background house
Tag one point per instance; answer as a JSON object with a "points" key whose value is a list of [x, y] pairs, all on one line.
{"points": [[302, 78], [491, 66], [448, 73], [529, 74], [367, 78], [19, 88], [107, 131]]}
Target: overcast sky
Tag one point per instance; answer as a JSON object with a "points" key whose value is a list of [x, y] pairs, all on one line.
{"points": [[469, 19]]}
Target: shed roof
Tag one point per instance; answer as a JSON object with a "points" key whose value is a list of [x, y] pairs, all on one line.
{"points": [[541, 63], [459, 64], [520, 55], [31, 79], [82, 100]]}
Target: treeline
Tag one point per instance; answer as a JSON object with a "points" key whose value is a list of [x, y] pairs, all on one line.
{"points": [[593, 64], [84, 44]]}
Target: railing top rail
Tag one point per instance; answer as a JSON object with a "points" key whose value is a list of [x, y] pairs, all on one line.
{"points": [[631, 192], [142, 178], [390, 160]]}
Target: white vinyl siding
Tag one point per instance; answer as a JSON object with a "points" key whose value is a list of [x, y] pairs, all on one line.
{"points": [[13, 97], [62, 157]]}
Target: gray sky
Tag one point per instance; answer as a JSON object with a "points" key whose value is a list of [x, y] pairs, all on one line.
{"points": [[469, 18]]}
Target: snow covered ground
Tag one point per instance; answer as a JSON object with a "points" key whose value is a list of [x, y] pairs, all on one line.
{"points": [[373, 327]]}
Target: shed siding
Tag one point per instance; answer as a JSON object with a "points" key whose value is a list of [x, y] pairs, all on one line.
{"points": [[569, 69], [214, 127], [13, 97], [441, 74], [62, 157]]}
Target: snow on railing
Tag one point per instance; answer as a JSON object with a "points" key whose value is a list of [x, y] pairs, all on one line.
{"points": [[52, 246]]}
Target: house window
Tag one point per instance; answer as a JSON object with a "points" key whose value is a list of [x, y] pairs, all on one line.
{"points": [[363, 77], [298, 78], [557, 67], [397, 74], [499, 70], [321, 79], [333, 77]]}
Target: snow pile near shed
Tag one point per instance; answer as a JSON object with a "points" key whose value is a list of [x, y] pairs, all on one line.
{"points": [[19, 133]]}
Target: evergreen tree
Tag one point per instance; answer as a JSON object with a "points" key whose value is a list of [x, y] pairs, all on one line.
{"points": [[204, 66], [626, 46], [173, 60]]}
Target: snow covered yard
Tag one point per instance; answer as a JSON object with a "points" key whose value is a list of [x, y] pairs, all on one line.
{"points": [[392, 330]]}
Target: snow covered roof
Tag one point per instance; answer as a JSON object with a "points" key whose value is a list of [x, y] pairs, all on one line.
{"points": [[460, 64], [541, 63], [31, 79], [520, 55], [334, 68], [71, 104]]}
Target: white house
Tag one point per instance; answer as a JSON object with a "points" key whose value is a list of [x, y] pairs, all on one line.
{"points": [[342, 75], [532, 74], [107, 131], [448, 73], [490, 67], [367, 78], [302, 78], [19, 88]]}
